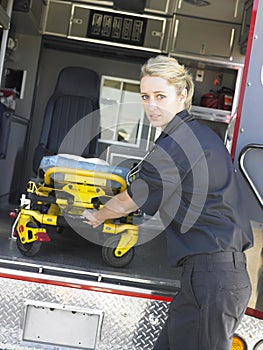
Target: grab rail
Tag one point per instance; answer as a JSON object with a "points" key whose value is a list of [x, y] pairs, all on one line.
{"points": [[252, 168], [89, 174]]}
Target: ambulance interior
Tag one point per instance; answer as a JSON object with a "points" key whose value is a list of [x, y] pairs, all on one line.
{"points": [[121, 134]]}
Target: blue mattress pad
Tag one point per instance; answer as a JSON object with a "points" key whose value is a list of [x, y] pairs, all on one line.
{"points": [[48, 162]]}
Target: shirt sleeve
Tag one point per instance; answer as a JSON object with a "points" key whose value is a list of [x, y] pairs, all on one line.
{"points": [[157, 180]]}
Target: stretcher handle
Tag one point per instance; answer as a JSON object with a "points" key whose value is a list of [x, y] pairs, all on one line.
{"points": [[83, 172]]}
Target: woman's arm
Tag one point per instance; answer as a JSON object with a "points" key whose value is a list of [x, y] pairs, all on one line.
{"points": [[117, 207]]}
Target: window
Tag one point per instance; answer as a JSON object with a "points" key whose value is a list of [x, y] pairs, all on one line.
{"points": [[121, 111]]}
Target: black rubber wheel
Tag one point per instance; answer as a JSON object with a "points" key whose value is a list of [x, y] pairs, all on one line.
{"points": [[28, 249], [108, 253]]}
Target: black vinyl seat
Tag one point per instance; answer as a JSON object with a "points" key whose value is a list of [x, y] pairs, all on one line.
{"points": [[72, 112]]}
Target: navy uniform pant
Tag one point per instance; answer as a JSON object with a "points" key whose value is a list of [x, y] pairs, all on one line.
{"points": [[215, 290]]}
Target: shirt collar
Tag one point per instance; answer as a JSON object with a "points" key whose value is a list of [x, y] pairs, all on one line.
{"points": [[177, 120]]}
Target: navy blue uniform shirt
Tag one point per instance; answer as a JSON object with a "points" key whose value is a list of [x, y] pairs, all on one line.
{"points": [[189, 178]]}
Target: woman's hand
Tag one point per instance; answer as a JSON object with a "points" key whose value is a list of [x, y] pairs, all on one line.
{"points": [[91, 219], [117, 207]]}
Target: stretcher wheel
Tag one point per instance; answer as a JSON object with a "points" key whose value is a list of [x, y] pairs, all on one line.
{"points": [[108, 253], [28, 249]]}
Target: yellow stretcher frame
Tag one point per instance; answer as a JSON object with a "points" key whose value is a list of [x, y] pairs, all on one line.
{"points": [[84, 186]]}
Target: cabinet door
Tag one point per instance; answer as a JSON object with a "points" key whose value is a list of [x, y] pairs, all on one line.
{"points": [[164, 7], [203, 37], [222, 10], [119, 28], [57, 18], [157, 33], [79, 22]]}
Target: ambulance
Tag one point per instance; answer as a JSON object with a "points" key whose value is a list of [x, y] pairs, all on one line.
{"points": [[69, 94]]}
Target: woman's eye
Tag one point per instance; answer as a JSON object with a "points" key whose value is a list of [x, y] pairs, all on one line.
{"points": [[160, 97], [144, 97]]}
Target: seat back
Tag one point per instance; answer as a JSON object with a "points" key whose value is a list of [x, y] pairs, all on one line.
{"points": [[76, 96]]}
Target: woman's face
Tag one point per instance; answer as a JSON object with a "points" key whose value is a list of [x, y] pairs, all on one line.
{"points": [[160, 100]]}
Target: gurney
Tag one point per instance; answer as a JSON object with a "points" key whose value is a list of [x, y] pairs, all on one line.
{"points": [[64, 187]]}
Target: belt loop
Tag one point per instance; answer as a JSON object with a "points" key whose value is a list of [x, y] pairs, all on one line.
{"points": [[209, 263], [235, 260]]}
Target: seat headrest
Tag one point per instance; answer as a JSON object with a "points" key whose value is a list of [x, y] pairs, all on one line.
{"points": [[78, 81]]}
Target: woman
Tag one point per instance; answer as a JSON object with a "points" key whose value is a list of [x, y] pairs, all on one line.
{"points": [[188, 177]]}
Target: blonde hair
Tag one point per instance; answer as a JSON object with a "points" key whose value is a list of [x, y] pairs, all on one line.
{"points": [[169, 69]]}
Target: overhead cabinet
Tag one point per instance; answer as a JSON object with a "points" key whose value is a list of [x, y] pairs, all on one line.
{"points": [[221, 10], [115, 27], [203, 37], [57, 10], [177, 34], [27, 15], [106, 26], [160, 7], [164, 7]]}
